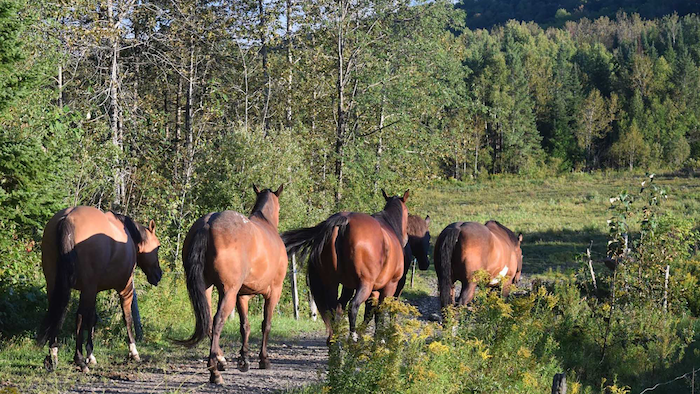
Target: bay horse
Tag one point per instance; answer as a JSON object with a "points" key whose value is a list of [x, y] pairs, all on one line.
{"points": [[364, 253], [463, 248], [240, 256], [89, 250], [418, 246]]}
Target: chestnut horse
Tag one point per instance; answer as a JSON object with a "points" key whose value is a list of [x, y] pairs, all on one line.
{"points": [[86, 249], [466, 247], [363, 253], [241, 256]]}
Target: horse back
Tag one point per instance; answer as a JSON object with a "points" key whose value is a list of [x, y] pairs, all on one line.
{"points": [[106, 254], [247, 250], [369, 251]]}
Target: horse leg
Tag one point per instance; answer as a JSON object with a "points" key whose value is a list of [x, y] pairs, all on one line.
{"points": [[506, 287], [225, 308], [363, 292], [242, 307], [467, 293], [89, 346], [370, 306], [270, 304], [126, 297], [345, 297], [388, 291], [83, 320]]}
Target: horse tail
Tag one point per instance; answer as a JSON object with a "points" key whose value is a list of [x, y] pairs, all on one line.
{"points": [[318, 291], [194, 270], [443, 264], [64, 281], [310, 241]]}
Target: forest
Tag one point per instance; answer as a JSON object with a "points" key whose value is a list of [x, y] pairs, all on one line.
{"points": [[171, 109]]}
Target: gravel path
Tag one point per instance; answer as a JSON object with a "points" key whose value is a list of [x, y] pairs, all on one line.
{"points": [[297, 362]]}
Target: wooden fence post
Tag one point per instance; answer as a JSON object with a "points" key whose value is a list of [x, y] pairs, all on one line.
{"points": [[295, 294], [668, 268], [590, 266], [413, 271], [559, 384]]}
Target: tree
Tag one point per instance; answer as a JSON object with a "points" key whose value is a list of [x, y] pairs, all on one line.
{"points": [[595, 118], [631, 148]]}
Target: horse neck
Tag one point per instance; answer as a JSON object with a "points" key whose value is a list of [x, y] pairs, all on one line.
{"points": [[268, 213], [393, 215]]}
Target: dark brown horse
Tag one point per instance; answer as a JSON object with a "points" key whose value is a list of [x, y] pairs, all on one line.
{"points": [[363, 253], [240, 256], [418, 246], [466, 247], [88, 250]]}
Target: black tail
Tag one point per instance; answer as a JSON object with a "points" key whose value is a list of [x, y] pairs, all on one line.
{"points": [[194, 269], [65, 279], [443, 264], [318, 291], [310, 241]]}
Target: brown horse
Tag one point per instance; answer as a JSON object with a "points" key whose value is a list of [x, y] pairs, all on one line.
{"points": [[363, 253], [241, 256], [86, 249], [466, 247], [418, 246]]}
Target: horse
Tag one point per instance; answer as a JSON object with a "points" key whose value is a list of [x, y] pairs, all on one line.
{"points": [[418, 245], [89, 250], [240, 256], [463, 248], [364, 253]]}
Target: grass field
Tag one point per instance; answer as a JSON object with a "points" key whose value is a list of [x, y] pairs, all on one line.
{"points": [[559, 217]]}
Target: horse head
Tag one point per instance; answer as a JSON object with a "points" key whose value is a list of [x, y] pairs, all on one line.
{"points": [[147, 253], [267, 204], [419, 239], [519, 258]]}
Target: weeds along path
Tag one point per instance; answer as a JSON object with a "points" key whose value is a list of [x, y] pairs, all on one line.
{"points": [[296, 362]]}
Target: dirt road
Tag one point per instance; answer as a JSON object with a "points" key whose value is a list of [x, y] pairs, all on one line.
{"points": [[295, 363]]}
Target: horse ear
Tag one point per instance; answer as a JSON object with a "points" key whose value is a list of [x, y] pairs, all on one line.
{"points": [[427, 219], [520, 237], [385, 196], [279, 190], [255, 189], [152, 226], [405, 196]]}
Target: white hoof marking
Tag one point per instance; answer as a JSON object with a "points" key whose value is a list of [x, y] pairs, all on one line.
{"points": [[92, 360], [221, 359], [133, 352]]}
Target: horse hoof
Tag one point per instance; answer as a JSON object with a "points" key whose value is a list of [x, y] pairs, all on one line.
{"points": [[83, 368], [216, 379], [135, 357], [265, 364], [49, 364], [92, 360], [220, 364], [243, 365]]}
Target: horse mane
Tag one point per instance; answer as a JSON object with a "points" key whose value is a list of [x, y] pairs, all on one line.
{"points": [[260, 202], [513, 238], [137, 231], [392, 214]]}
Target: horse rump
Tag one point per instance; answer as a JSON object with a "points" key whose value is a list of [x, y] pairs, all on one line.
{"points": [[194, 270], [64, 281]]}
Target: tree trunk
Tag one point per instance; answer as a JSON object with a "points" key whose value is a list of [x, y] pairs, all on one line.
{"points": [[289, 65], [115, 115], [60, 86], [341, 125], [266, 73]]}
